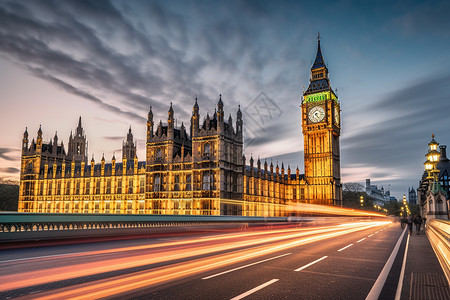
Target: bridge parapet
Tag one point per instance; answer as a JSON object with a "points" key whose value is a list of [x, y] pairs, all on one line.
{"points": [[438, 232], [32, 222]]}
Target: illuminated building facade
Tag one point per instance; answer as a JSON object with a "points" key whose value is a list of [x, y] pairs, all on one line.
{"points": [[321, 131], [198, 171]]}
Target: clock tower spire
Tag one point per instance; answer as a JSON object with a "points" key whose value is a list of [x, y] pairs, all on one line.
{"points": [[321, 131]]}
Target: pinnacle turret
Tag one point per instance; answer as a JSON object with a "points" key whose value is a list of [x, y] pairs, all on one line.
{"points": [[79, 131], [39, 133], [319, 80]]}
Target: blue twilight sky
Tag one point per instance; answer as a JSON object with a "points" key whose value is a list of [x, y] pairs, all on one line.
{"points": [[108, 61]]}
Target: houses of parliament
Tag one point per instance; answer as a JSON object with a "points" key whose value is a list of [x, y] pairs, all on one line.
{"points": [[200, 170]]}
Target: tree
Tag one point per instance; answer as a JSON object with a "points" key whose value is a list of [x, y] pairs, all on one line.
{"points": [[353, 187], [9, 197], [352, 200]]}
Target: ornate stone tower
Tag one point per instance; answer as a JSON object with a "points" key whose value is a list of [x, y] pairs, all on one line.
{"points": [[78, 145], [129, 147], [321, 131]]}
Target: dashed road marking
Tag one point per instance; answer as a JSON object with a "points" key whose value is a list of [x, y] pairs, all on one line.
{"points": [[310, 264], [255, 289]]}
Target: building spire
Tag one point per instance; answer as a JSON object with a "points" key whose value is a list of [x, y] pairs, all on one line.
{"points": [[319, 80], [150, 114], [79, 131], [318, 62], [195, 108]]}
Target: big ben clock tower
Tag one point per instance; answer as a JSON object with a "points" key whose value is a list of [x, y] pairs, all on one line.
{"points": [[321, 131]]}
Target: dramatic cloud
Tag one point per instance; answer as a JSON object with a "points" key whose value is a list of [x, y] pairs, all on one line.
{"points": [[406, 119], [5, 151], [427, 17], [10, 170]]}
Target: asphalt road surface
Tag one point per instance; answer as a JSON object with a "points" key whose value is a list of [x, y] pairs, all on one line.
{"points": [[341, 261]]}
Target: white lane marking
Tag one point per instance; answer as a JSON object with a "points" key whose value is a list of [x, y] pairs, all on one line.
{"points": [[255, 289], [241, 267], [310, 264], [379, 283], [402, 273], [38, 257], [370, 235], [345, 247], [361, 240]]}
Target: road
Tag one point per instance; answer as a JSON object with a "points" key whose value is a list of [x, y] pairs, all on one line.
{"points": [[341, 261]]}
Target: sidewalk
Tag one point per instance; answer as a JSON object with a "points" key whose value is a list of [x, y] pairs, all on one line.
{"points": [[424, 278]]}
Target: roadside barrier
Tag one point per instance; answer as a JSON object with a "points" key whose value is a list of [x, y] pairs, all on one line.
{"points": [[438, 232]]}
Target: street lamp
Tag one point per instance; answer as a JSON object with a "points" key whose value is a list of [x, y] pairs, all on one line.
{"points": [[432, 159]]}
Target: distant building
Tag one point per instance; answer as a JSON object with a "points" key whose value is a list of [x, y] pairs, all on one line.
{"points": [[412, 196], [380, 195]]}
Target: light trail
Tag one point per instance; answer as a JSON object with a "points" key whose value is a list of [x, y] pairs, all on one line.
{"points": [[305, 208], [16, 281], [164, 244], [144, 279]]}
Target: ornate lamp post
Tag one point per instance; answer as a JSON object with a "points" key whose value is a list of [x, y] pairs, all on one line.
{"points": [[432, 160], [435, 205]]}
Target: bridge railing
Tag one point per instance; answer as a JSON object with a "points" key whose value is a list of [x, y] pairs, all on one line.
{"points": [[438, 232], [35, 222]]}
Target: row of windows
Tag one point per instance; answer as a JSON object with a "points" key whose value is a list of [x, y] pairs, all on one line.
{"points": [[208, 182], [48, 188], [206, 152], [273, 190], [119, 207]]}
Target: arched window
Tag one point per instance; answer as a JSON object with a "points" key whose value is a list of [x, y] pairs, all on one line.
{"points": [[108, 186], [67, 187], [130, 186], [49, 188], [119, 186], [207, 149], [77, 188], [208, 181], [142, 185], [158, 154], [176, 186], [87, 190], [157, 183], [97, 187], [188, 182], [440, 205]]}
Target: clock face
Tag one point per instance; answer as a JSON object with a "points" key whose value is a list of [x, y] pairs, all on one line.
{"points": [[336, 115], [316, 114]]}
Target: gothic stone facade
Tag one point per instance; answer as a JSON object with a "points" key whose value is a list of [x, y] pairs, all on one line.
{"points": [[200, 173]]}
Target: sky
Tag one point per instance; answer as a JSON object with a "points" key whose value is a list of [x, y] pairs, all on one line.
{"points": [[108, 61]]}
